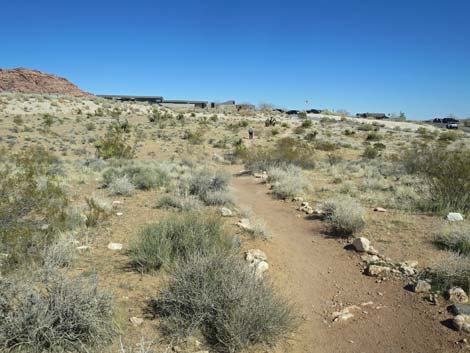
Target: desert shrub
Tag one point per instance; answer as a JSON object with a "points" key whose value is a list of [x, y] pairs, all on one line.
{"points": [[179, 201], [178, 237], [194, 137], [275, 132], [121, 186], [324, 145], [53, 313], [374, 136], [114, 144], [307, 123], [345, 215], [448, 136], [302, 115], [220, 296], [96, 210], [455, 237], [366, 127], [453, 270], [311, 136], [445, 175], [90, 126], [143, 178], [18, 120], [287, 182], [33, 203], [371, 152], [60, 253], [287, 151], [210, 186]]}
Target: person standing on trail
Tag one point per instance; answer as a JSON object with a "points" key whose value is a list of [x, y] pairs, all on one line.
{"points": [[250, 133]]}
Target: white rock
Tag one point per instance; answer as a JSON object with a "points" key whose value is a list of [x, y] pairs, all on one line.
{"points": [[454, 217], [261, 268], [82, 247], [375, 270], [119, 214], [255, 254], [298, 199], [380, 209], [369, 258], [344, 314], [115, 246], [422, 287], [457, 295], [407, 270], [411, 263], [361, 244], [372, 251], [136, 321], [225, 212], [245, 224], [462, 323]]}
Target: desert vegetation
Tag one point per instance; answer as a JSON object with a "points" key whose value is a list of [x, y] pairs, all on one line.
{"points": [[132, 207]]}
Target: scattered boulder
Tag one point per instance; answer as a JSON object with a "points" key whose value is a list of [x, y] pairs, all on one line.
{"points": [[380, 209], [407, 270], [115, 246], [372, 251], [454, 217], [225, 212], [261, 268], [136, 321], [217, 158], [298, 199], [376, 270], [361, 244], [82, 247], [245, 224], [119, 214], [457, 295], [460, 309], [462, 323], [258, 260], [422, 287], [255, 255]]}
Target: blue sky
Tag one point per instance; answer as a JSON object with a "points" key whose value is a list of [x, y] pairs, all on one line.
{"points": [[358, 55]]}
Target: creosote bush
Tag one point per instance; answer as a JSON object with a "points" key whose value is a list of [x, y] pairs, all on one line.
{"points": [[178, 237], [115, 144], [445, 174], [221, 296], [53, 313], [33, 203], [121, 186], [345, 215], [454, 270], [287, 151], [455, 237]]}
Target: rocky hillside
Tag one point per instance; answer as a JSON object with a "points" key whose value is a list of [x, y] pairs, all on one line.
{"points": [[23, 80]]}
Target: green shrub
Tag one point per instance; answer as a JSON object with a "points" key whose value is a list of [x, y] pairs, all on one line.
{"points": [[177, 237], [448, 136], [302, 115], [33, 203], [453, 270], [370, 152], [307, 123], [345, 215], [97, 210], [53, 313], [287, 151], [275, 132], [444, 174], [366, 127], [220, 296], [180, 202], [455, 237], [114, 145], [324, 145], [374, 136], [194, 137]]}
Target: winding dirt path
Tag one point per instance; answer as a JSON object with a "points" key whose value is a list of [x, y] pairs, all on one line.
{"points": [[320, 276]]}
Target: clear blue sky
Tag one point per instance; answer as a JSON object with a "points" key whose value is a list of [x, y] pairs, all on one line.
{"points": [[358, 55]]}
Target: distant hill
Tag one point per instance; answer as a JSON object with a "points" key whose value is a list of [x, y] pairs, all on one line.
{"points": [[23, 80]]}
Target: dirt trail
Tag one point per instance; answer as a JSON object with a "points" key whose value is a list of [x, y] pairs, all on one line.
{"points": [[317, 274]]}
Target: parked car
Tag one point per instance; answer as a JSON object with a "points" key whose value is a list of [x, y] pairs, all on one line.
{"points": [[451, 126]]}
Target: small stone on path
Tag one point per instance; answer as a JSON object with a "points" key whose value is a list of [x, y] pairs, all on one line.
{"points": [[115, 246]]}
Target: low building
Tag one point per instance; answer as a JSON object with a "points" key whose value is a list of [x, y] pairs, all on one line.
{"points": [[123, 98], [378, 116]]}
